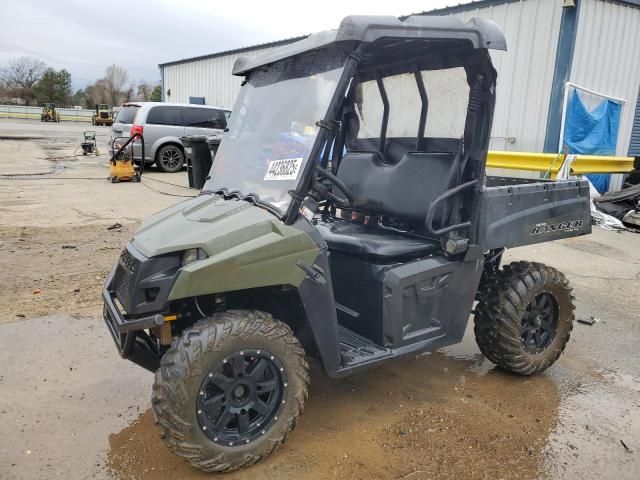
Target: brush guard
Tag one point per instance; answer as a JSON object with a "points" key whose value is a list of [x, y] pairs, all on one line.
{"points": [[129, 335]]}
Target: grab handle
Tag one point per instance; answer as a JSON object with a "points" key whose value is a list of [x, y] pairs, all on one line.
{"points": [[432, 210]]}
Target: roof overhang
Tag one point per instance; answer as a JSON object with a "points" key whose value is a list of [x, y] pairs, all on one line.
{"points": [[482, 33]]}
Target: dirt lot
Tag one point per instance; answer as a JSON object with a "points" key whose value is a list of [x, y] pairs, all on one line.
{"points": [[71, 408], [56, 210]]}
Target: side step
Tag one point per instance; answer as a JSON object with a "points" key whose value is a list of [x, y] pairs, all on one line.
{"points": [[357, 350]]}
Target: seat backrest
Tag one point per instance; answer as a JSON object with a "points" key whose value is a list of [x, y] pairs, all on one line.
{"points": [[403, 189]]}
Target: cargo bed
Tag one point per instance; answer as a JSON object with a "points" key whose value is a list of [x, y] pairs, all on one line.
{"points": [[523, 211]]}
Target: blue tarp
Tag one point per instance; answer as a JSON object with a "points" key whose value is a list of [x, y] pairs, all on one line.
{"points": [[592, 132]]}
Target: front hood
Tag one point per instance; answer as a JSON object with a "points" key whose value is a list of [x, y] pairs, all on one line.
{"points": [[246, 246], [209, 222]]}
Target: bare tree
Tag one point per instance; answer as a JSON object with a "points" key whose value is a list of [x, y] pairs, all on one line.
{"points": [[23, 72], [21, 75], [115, 81], [97, 93], [144, 91]]}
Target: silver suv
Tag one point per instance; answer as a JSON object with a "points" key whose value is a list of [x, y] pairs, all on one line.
{"points": [[162, 125]]}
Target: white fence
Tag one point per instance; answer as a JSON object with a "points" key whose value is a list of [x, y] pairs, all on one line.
{"points": [[33, 113]]}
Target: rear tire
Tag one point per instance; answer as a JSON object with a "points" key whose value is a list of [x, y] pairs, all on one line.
{"points": [[214, 374], [524, 317], [170, 159]]}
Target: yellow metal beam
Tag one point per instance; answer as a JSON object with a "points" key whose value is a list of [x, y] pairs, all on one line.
{"points": [[550, 162], [597, 164], [538, 162]]}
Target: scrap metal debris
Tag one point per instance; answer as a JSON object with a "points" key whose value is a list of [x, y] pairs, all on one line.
{"points": [[114, 226], [589, 321]]}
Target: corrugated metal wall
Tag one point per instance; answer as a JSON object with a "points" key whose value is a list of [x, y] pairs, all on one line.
{"points": [[634, 145], [209, 78], [606, 58], [525, 71]]}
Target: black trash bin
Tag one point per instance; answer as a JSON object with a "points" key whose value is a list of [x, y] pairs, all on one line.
{"points": [[214, 142], [198, 159]]}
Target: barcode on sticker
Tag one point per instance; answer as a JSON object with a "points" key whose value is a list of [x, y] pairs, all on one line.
{"points": [[284, 169]]}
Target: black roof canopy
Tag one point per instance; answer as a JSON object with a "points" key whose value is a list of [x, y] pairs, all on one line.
{"points": [[477, 33]]}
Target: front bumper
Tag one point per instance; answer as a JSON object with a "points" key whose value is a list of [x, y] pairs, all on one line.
{"points": [[128, 313], [129, 336]]}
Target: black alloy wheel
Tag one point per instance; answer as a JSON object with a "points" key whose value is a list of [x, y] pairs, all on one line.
{"points": [[539, 323], [241, 396]]}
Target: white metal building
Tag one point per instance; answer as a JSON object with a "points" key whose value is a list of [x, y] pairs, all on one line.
{"points": [[208, 79], [591, 43]]}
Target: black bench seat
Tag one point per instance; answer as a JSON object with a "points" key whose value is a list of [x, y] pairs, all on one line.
{"points": [[373, 241]]}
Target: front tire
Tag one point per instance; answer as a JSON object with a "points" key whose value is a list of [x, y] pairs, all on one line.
{"points": [[170, 159], [230, 389], [524, 317]]}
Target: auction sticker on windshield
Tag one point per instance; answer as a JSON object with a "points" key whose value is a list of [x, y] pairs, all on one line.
{"points": [[283, 169]]}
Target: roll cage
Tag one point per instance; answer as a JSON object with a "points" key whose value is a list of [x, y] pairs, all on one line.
{"points": [[385, 48]]}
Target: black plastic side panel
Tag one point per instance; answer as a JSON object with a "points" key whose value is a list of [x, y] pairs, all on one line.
{"points": [[358, 293], [316, 295], [320, 307], [523, 214], [429, 299]]}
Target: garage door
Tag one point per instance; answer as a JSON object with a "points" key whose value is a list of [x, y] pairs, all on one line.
{"points": [[634, 145]]}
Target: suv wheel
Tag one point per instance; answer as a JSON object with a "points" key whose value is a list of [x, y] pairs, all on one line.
{"points": [[170, 159], [524, 318], [230, 389]]}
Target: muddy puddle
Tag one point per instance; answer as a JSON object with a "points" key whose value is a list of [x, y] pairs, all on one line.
{"points": [[445, 415], [598, 427], [429, 416]]}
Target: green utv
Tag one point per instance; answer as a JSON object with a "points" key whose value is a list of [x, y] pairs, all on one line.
{"points": [[347, 217]]}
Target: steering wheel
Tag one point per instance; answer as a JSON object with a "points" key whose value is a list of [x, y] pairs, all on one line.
{"points": [[338, 201]]}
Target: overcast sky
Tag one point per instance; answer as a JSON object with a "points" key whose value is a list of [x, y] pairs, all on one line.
{"points": [[86, 36]]}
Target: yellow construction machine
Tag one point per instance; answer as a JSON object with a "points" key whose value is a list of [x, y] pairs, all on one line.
{"points": [[49, 113], [103, 115]]}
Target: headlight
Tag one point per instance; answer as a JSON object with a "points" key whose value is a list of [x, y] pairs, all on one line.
{"points": [[192, 255]]}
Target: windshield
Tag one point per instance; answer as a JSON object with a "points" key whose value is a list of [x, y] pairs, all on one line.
{"points": [[273, 127]]}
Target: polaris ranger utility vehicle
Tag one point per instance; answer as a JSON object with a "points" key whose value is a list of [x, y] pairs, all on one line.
{"points": [[347, 217]]}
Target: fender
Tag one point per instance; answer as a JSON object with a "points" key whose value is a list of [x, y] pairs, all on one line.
{"points": [[247, 247], [316, 295]]}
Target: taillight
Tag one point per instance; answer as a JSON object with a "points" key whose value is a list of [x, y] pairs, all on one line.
{"points": [[136, 129]]}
